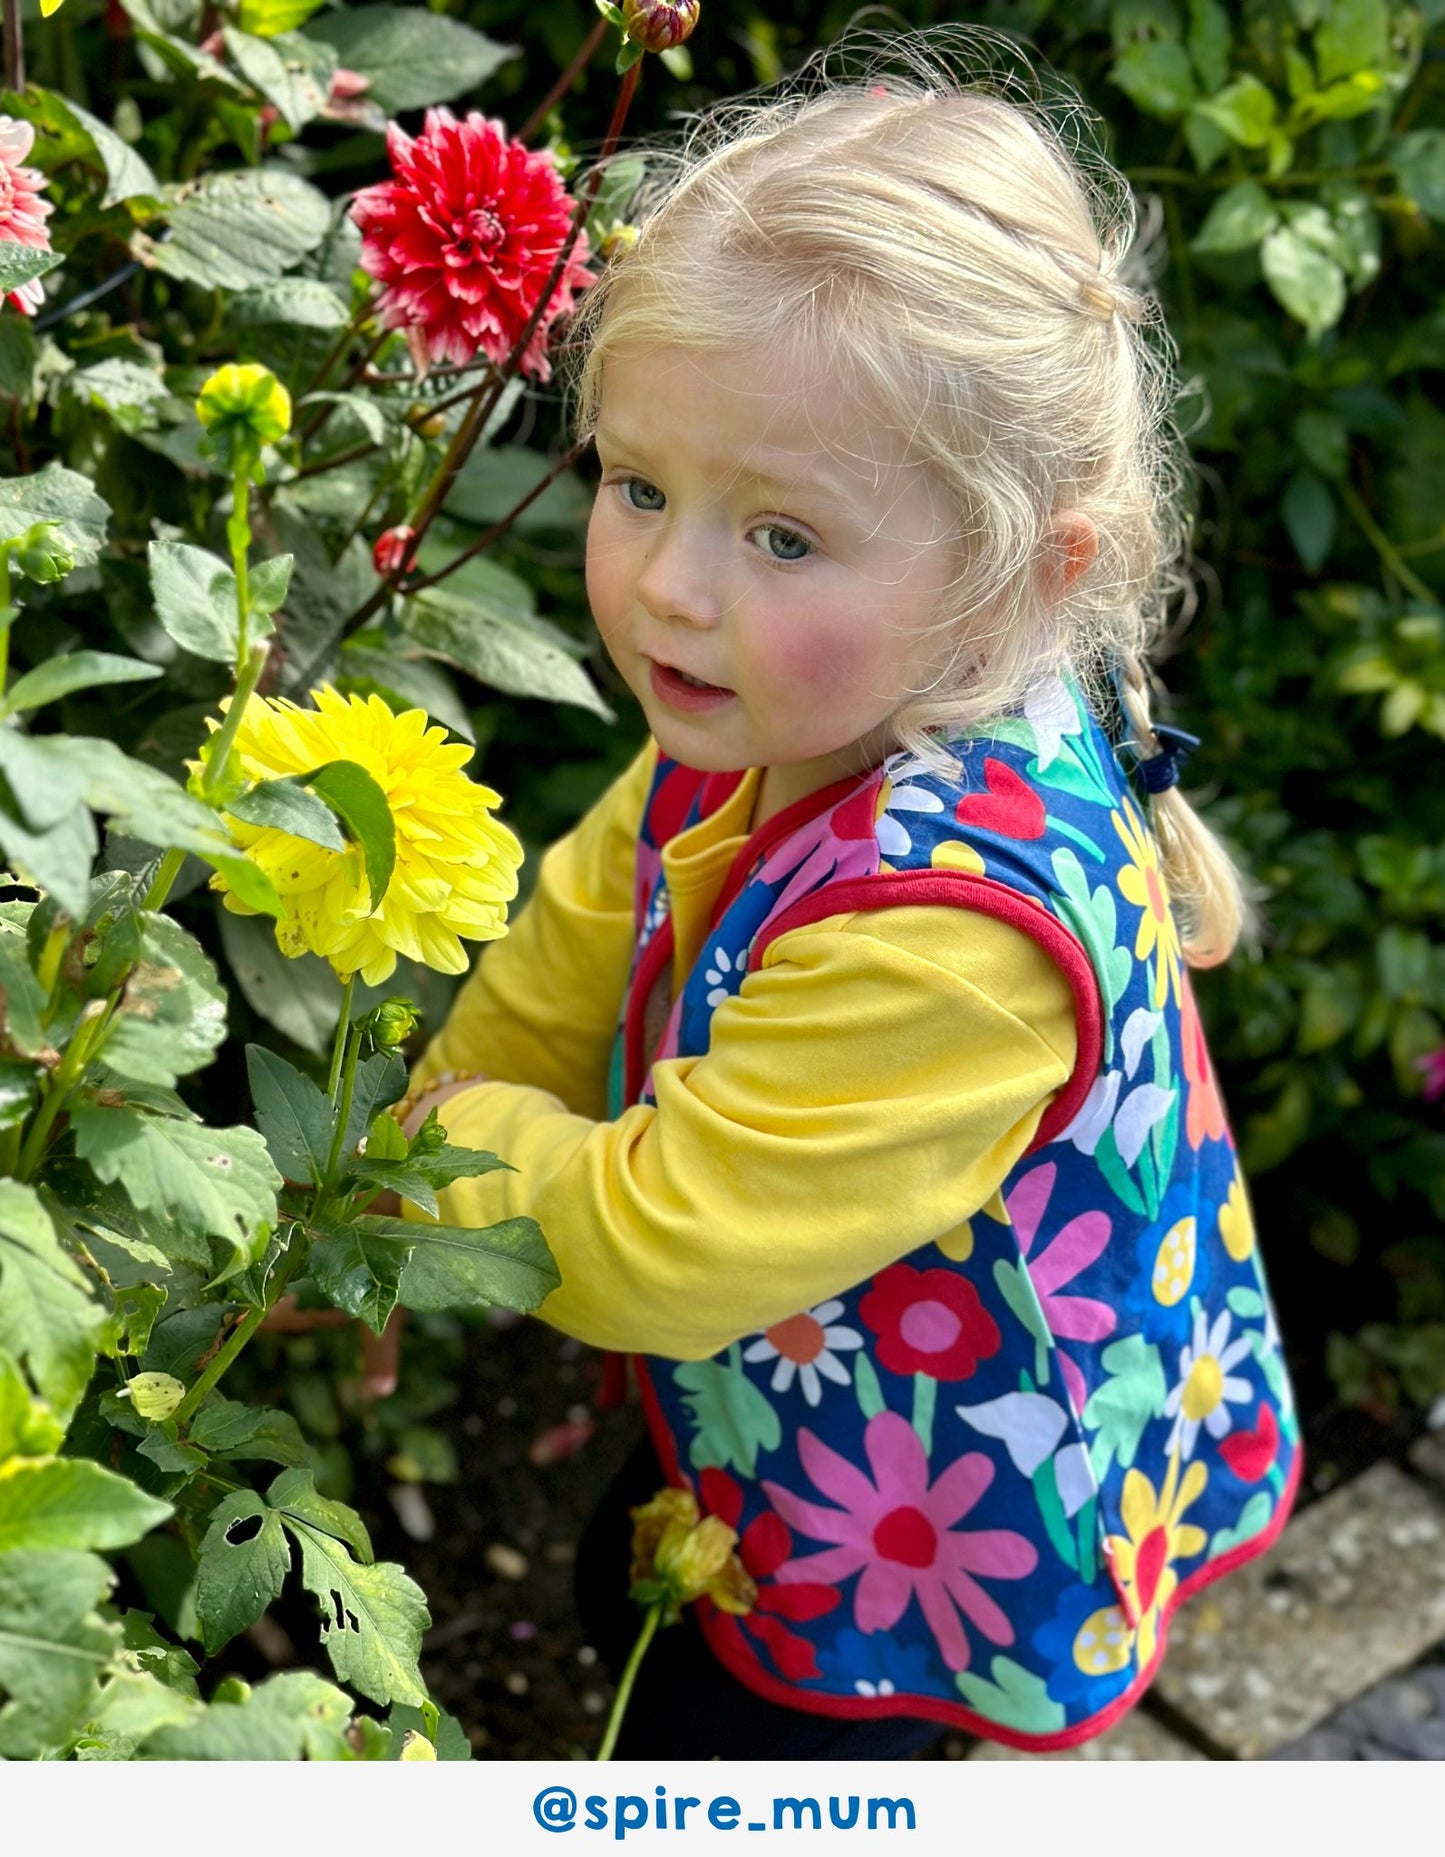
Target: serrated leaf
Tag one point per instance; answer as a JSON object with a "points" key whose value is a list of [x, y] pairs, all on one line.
{"points": [[513, 651], [294, 1493], [413, 57], [361, 806], [217, 1183], [47, 1316], [293, 1715], [360, 1273], [372, 1617], [22, 999], [238, 227], [231, 1429], [301, 998], [55, 494], [284, 805], [172, 1014], [72, 1503], [21, 264], [242, 1566], [195, 599], [294, 302], [52, 1646], [44, 783], [454, 1267], [293, 1114]]}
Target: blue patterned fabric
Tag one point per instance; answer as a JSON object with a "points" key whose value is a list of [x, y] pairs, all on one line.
{"points": [[973, 1487]]}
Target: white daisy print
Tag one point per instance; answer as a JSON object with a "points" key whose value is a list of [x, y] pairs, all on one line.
{"points": [[806, 1348], [1206, 1387], [894, 840], [720, 972], [1053, 714]]}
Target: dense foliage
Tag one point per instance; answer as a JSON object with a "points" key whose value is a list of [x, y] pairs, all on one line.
{"points": [[200, 160]]}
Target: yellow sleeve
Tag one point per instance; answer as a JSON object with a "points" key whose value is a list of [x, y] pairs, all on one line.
{"points": [[540, 1006], [866, 1091]]}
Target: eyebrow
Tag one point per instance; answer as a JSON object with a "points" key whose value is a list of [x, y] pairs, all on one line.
{"points": [[751, 469]]}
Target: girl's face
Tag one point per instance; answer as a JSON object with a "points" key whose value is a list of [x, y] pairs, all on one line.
{"points": [[754, 529]]}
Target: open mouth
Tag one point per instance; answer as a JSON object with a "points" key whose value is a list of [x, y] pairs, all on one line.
{"points": [[683, 689]]}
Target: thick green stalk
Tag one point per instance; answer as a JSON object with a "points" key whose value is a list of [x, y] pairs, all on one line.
{"points": [[343, 1031], [7, 616], [629, 1677], [343, 1115], [239, 1336], [69, 1072]]}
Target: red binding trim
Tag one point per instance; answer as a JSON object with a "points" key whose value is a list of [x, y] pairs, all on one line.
{"points": [[986, 897], [731, 1647]]}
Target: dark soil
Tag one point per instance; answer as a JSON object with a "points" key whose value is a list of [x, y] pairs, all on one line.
{"points": [[494, 1550]]}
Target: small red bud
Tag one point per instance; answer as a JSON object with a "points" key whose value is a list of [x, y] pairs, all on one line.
{"points": [[393, 549], [656, 25]]}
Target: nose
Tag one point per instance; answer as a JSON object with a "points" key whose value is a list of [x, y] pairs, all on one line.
{"points": [[680, 579]]}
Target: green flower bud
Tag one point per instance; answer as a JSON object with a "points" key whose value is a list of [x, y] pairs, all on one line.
{"points": [[42, 554], [390, 1024], [243, 407], [154, 1395]]}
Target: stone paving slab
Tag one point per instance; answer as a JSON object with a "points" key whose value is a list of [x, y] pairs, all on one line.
{"points": [[1353, 1591], [1137, 1737]]}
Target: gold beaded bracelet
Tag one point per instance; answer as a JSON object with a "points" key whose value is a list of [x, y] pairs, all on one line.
{"points": [[441, 1081]]}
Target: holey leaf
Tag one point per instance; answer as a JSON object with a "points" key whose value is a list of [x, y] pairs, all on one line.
{"points": [[372, 1617], [215, 1183], [47, 1316], [244, 1560]]}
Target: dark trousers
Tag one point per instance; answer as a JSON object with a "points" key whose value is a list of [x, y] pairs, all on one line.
{"points": [[685, 1705]]}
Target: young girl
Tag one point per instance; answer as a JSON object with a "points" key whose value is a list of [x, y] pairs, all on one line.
{"points": [[846, 1051]]}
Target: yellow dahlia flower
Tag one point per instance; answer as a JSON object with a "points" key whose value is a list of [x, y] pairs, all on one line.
{"points": [[456, 866]]}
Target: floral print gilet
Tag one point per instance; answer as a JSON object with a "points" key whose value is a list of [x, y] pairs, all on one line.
{"points": [[974, 1487]]}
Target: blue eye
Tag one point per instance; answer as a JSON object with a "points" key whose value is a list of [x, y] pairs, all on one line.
{"points": [[638, 494], [780, 544]]}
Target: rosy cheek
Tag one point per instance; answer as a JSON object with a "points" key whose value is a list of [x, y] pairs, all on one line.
{"points": [[818, 656]]}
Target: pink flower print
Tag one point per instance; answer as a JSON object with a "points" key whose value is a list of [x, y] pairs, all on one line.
{"points": [[838, 844], [898, 1534], [1071, 1250]]}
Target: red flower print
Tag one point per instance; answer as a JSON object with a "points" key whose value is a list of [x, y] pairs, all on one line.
{"points": [[464, 240], [1250, 1454], [765, 1544], [1010, 807], [1204, 1111], [929, 1321]]}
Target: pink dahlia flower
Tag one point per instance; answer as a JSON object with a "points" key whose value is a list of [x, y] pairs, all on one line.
{"points": [[22, 211], [464, 240]]}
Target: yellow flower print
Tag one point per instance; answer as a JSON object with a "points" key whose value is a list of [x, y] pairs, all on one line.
{"points": [[1236, 1223], [1143, 1557], [1141, 882], [953, 854], [1104, 1643]]}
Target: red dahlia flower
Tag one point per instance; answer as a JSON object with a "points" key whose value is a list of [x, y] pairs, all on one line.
{"points": [[22, 212], [465, 238]]}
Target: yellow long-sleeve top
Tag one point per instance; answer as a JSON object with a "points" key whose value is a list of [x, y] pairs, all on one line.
{"points": [[865, 1092]]}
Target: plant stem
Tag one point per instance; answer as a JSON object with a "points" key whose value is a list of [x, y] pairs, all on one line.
{"points": [[342, 1112], [343, 1027], [238, 534], [8, 613], [239, 1336], [1383, 546], [170, 869], [500, 527], [629, 1676], [69, 1072], [487, 394], [14, 47], [582, 56]]}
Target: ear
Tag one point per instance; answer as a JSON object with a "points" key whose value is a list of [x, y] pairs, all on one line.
{"points": [[1073, 545]]}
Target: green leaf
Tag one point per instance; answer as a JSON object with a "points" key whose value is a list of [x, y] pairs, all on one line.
{"points": [[359, 1272], [132, 395], [44, 783], [243, 1562], [496, 478], [1419, 163], [28, 1428], [22, 998], [380, 1082], [413, 57], [1237, 221], [453, 1267], [294, 1115], [54, 494], [290, 84], [1354, 35], [127, 173], [1309, 285], [72, 1503], [268, 17], [424, 1164], [76, 670], [1208, 41], [403, 681], [512, 650], [1309, 513], [1245, 110], [1156, 75], [20, 264], [52, 1646], [301, 997], [195, 599], [237, 227], [372, 1617], [733, 1416], [47, 1316], [295, 1715], [294, 302], [360, 804], [57, 860], [216, 1183], [449, 1735], [284, 805], [172, 1014], [293, 1493], [229, 1428], [269, 583]]}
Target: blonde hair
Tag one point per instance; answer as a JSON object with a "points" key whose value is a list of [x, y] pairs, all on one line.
{"points": [[964, 262]]}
